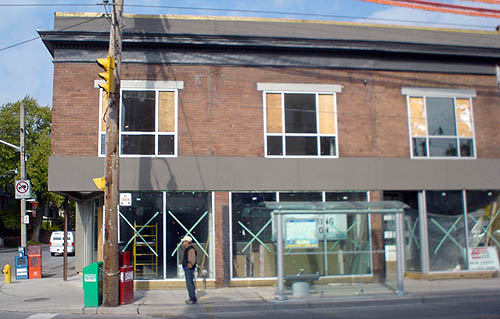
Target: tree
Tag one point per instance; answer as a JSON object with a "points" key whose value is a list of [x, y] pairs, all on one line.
{"points": [[37, 150]]}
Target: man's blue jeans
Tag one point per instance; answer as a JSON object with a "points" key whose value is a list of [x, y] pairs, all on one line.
{"points": [[189, 274]]}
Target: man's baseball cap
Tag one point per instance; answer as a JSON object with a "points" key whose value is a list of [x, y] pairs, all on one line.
{"points": [[187, 238]]}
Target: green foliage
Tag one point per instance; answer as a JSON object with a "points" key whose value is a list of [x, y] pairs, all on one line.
{"points": [[37, 141], [37, 150], [10, 216]]}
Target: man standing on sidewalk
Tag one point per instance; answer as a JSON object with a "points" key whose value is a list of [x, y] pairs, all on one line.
{"points": [[189, 265]]}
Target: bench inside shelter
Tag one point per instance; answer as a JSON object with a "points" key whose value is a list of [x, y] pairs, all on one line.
{"points": [[300, 283]]}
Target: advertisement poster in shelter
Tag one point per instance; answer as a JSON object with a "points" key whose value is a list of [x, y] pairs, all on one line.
{"points": [[301, 233]]}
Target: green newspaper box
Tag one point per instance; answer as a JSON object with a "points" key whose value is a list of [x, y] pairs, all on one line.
{"points": [[92, 285]]}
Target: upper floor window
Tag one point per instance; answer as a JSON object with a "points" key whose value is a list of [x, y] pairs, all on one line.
{"points": [[300, 119], [148, 119], [440, 122]]}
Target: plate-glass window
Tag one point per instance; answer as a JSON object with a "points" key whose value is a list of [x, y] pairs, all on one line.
{"points": [[343, 241], [147, 123], [441, 127], [300, 124]]}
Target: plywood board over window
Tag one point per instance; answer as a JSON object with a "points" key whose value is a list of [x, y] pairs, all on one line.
{"points": [[326, 114], [417, 116], [274, 113], [104, 109], [166, 112], [464, 119]]}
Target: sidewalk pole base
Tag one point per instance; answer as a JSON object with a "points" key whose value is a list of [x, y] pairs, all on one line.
{"points": [[400, 293], [281, 297]]}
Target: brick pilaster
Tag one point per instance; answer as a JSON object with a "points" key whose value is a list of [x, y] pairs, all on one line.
{"points": [[222, 240], [377, 234]]}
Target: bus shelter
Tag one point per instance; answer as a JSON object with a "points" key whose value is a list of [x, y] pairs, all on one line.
{"points": [[296, 226]]}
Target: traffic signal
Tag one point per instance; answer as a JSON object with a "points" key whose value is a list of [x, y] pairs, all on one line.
{"points": [[108, 64]]}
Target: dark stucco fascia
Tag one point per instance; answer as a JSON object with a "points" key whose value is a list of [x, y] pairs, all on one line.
{"points": [[195, 40], [238, 51], [74, 174], [55, 39]]}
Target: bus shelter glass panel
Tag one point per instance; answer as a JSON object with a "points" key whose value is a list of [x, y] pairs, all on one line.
{"points": [[346, 238], [299, 259], [254, 252], [188, 214], [141, 234], [446, 230]]}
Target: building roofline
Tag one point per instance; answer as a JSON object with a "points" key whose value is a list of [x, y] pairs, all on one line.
{"points": [[277, 20]]}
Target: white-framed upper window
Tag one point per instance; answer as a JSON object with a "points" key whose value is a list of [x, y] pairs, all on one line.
{"points": [[148, 119], [440, 122], [300, 120]]}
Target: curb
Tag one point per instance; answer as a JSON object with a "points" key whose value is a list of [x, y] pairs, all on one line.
{"points": [[291, 304]]}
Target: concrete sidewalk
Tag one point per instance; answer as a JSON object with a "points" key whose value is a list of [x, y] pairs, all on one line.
{"points": [[53, 295]]}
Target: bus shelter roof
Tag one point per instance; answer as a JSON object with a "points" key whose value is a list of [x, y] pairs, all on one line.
{"points": [[340, 207]]}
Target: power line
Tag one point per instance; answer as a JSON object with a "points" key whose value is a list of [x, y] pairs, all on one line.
{"points": [[231, 10], [318, 15], [36, 38]]}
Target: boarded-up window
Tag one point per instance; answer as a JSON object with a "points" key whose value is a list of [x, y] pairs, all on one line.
{"points": [[464, 119], [104, 109], [274, 113], [417, 116], [166, 112], [326, 114], [300, 124], [441, 126]]}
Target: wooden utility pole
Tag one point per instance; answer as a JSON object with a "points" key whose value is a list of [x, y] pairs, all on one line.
{"points": [[111, 271]]}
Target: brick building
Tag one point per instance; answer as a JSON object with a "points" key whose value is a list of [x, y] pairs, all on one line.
{"points": [[221, 114]]}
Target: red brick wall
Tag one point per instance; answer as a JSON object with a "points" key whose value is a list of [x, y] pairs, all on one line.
{"points": [[222, 238], [220, 109]]}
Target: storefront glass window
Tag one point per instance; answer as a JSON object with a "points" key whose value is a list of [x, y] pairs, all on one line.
{"points": [[141, 234], [483, 216], [343, 241], [188, 213], [254, 252], [446, 230], [412, 231], [152, 226]]}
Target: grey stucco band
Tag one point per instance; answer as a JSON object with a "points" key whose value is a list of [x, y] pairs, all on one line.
{"points": [[74, 174]]}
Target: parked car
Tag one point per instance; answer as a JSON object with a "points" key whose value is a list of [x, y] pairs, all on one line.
{"points": [[57, 243]]}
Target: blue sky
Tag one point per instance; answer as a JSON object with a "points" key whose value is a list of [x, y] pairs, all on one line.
{"points": [[26, 69]]}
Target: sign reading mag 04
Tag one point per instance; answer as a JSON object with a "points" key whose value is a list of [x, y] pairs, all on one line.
{"points": [[23, 189]]}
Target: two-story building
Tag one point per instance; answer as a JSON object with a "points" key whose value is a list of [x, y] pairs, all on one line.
{"points": [[219, 114]]}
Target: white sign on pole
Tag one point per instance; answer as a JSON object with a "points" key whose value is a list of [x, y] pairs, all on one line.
{"points": [[23, 189], [125, 199]]}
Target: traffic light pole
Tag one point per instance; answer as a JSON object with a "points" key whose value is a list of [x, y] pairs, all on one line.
{"points": [[111, 271]]}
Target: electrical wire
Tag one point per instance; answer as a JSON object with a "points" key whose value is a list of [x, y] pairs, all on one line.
{"points": [[63, 29], [234, 11]]}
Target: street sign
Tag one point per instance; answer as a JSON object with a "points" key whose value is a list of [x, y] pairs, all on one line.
{"points": [[125, 199], [23, 189]]}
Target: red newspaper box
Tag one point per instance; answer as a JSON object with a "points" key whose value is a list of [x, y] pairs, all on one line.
{"points": [[126, 285], [34, 262], [124, 258]]}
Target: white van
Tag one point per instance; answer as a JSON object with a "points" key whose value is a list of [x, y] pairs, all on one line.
{"points": [[57, 243]]}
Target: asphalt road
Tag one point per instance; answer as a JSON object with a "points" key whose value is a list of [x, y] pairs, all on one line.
{"points": [[475, 308]]}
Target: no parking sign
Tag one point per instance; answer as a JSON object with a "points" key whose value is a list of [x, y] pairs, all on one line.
{"points": [[23, 189]]}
